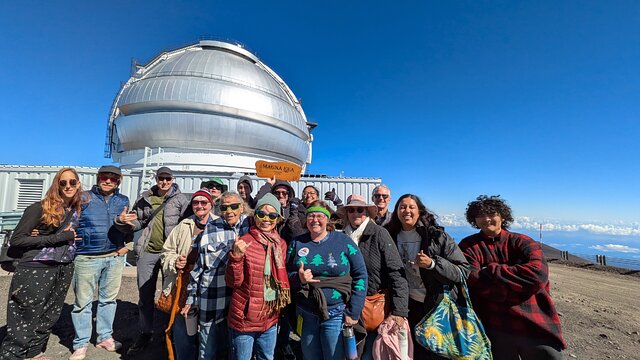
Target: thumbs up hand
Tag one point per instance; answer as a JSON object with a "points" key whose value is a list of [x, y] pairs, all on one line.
{"points": [[333, 197], [127, 218], [305, 275]]}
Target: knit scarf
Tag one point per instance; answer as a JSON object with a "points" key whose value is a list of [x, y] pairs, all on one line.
{"points": [[356, 234], [276, 292]]}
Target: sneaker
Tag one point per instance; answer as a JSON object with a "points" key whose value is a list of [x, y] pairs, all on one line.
{"points": [[141, 342], [110, 345], [78, 354]]}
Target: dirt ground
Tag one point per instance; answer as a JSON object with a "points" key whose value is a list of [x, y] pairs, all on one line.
{"points": [[600, 312]]}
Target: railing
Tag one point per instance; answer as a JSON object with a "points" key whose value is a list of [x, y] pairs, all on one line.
{"points": [[605, 260]]}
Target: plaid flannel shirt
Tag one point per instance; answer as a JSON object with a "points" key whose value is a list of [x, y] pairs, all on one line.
{"points": [[207, 288], [509, 285]]}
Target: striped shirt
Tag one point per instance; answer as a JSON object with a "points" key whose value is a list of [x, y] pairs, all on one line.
{"points": [[207, 288]]}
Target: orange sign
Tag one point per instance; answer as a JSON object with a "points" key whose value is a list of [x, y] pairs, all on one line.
{"points": [[282, 170]]}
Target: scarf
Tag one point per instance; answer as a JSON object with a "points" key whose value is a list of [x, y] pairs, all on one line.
{"points": [[276, 292], [356, 234]]}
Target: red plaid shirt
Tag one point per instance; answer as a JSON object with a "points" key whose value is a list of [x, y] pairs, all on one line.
{"points": [[509, 285]]}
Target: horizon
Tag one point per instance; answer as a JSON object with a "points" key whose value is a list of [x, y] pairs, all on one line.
{"points": [[536, 102]]}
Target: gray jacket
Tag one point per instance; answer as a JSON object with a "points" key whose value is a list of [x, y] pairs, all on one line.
{"points": [[176, 205]]}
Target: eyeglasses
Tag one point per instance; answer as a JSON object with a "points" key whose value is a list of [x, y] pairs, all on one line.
{"points": [[199, 202], [308, 193], [384, 196], [72, 182], [316, 216], [281, 193], [233, 207], [104, 178], [215, 186], [263, 215], [352, 210], [165, 178]]}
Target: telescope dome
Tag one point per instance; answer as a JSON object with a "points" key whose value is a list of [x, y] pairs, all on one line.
{"points": [[211, 106]]}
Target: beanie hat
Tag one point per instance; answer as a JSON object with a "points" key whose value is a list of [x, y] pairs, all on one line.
{"points": [[269, 199], [204, 193]]}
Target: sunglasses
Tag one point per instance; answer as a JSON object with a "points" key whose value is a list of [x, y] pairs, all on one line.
{"points": [[72, 182], [352, 210], [104, 178], [281, 193], [199, 202], [165, 178], [233, 207], [216, 186], [261, 215], [384, 196]]}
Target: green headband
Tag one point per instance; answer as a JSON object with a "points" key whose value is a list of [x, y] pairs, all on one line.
{"points": [[320, 210]]}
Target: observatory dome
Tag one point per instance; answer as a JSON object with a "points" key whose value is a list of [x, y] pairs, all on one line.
{"points": [[211, 106]]}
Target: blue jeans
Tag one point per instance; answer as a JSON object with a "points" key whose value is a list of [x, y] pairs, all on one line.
{"points": [[321, 339], [214, 338], [242, 344], [186, 346], [105, 274]]}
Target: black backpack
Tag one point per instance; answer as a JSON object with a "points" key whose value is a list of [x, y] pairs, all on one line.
{"points": [[9, 257]]}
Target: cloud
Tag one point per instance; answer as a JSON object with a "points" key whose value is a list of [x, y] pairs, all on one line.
{"points": [[528, 223], [616, 248]]}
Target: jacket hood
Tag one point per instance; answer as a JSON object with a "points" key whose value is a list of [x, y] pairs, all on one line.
{"points": [[247, 180], [278, 183]]}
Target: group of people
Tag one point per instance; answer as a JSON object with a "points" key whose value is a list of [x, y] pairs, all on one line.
{"points": [[245, 271]]}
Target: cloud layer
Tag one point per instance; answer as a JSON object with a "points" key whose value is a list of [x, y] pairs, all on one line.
{"points": [[616, 248], [527, 223]]}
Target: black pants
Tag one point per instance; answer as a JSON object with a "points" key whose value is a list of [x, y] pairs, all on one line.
{"points": [[507, 346], [36, 297]]}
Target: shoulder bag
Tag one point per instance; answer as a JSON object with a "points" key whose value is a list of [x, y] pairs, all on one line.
{"points": [[454, 331]]}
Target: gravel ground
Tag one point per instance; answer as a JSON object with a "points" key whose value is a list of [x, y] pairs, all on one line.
{"points": [[600, 312]]}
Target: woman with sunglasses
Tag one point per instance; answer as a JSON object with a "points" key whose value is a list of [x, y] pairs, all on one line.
{"points": [[384, 266], [178, 257], [43, 274], [257, 274], [329, 275], [431, 259]]}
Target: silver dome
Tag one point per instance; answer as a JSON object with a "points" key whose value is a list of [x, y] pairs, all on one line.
{"points": [[211, 105]]}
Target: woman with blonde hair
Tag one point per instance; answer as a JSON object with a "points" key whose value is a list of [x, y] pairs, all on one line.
{"points": [[43, 241]]}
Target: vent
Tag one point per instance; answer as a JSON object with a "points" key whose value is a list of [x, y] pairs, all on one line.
{"points": [[29, 191]]}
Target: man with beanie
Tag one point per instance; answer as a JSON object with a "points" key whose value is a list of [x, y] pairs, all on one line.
{"points": [[99, 261], [245, 188], [157, 211]]}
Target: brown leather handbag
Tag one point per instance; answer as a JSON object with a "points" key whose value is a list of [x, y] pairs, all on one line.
{"points": [[376, 308], [165, 302]]}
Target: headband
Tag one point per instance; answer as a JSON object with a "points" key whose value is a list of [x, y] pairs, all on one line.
{"points": [[319, 209]]}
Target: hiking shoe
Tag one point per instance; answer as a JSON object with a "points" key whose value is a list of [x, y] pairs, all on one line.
{"points": [[110, 345], [141, 342], [79, 354]]}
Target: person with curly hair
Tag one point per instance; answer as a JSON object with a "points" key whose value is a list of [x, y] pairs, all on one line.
{"points": [[431, 260], [509, 285], [44, 243]]}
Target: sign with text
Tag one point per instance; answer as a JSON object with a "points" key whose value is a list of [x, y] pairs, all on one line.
{"points": [[282, 170]]}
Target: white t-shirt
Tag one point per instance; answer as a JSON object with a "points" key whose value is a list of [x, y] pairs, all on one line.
{"points": [[409, 246]]}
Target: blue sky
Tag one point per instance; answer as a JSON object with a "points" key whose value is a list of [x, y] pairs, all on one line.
{"points": [[538, 101]]}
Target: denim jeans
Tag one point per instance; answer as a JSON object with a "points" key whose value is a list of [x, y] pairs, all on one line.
{"points": [[214, 338], [91, 273], [186, 346], [321, 339], [244, 343]]}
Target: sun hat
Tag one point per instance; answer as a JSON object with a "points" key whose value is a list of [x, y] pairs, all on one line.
{"points": [[356, 200]]}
